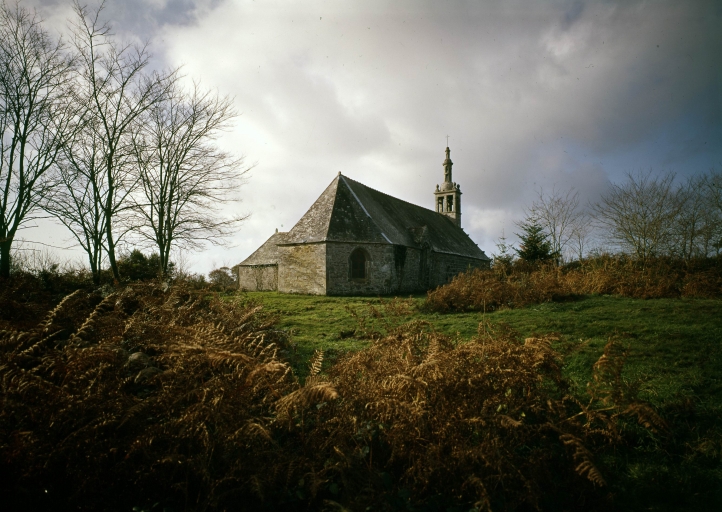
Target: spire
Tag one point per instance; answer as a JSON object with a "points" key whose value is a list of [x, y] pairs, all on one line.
{"points": [[447, 166]]}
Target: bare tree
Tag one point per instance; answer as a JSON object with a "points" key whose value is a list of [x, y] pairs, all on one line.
{"points": [[638, 215], [117, 92], [581, 231], [35, 115], [80, 193], [560, 216], [185, 178], [713, 182], [696, 225], [713, 192]]}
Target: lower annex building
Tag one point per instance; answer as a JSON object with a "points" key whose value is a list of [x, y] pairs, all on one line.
{"points": [[355, 240]]}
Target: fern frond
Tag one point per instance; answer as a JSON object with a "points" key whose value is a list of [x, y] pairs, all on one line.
{"points": [[316, 362], [509, 422], [314, 380], [255, 430], [266, 369], [400, 383], [235, 360], [646, 416], [583, 457], [50, 317], [85, 331], [305, 397]]}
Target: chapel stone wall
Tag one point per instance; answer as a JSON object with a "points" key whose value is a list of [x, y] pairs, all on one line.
{"points": [[391, 269], [445, 266], [302, 269], [379, 266]]}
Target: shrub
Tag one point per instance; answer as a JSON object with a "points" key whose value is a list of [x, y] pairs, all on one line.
{"points": [[136, 266], [505, 287], [424, 423], [520, 283], [222, 279]]}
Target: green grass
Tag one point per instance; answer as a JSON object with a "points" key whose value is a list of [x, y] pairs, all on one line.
{"points": [[313, 323], [675, 344], [675, 358], [326, 323]]}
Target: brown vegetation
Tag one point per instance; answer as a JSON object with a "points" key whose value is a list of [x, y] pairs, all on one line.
{"points": [[143, 396], [137, 397], [488, 422], [519, 284]]}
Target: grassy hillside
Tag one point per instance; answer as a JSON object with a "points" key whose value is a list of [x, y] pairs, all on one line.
{"points": [[174, 399], [674, 344]]}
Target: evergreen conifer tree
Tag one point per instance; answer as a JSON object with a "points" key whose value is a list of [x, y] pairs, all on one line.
{"points": [[534, 243]]}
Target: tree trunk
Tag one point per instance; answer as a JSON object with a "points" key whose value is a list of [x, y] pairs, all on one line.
{"points": [[95, 271], [109, 239], [5, 258], [111, 253], [109, 217], [164, 260]]}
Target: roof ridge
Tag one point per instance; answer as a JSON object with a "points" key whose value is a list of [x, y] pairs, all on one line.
{"points": [[389, 195]]}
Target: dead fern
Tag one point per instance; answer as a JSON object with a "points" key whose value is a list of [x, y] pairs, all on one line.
{"points": [[520, 284], [115, 432], [316, 363], [583, 457], [305, 397]]}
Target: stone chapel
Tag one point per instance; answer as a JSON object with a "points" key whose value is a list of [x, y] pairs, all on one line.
{"points": [[355, 240]]}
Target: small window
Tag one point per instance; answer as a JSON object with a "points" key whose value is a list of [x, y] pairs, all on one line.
{"points": [[358, 264], [449, 203], [440, 204]]}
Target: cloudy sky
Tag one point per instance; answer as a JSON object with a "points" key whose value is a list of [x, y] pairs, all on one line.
{"points": [[532, 95]]}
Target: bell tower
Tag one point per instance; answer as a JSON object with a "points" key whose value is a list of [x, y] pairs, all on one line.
{"points": [[448, 195]]}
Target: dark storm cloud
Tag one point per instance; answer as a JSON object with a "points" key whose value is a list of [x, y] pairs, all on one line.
{"points": [[140, 18], [572, 13]]}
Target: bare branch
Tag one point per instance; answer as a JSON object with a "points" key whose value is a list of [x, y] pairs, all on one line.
{"points": [[184, 177], [560, 216], [117, 91], [36, 113], [638, 215]]}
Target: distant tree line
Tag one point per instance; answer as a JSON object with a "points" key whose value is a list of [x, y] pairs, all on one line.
{"points": [[645, 216], [108, 146]]}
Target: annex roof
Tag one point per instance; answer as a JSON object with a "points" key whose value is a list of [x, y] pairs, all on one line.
{"points": [[266, 254]]}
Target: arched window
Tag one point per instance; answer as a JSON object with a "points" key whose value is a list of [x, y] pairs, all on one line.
{"points": [[358, 264]]}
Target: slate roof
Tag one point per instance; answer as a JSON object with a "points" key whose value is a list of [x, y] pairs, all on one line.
{"points": [[267, 254], [348, 211]]}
